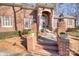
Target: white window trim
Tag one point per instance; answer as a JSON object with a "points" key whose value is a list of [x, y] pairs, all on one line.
{"points": [[4, 25]]}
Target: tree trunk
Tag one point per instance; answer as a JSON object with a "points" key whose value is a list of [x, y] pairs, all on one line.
{"points": [[15, 23], [37, 26]]}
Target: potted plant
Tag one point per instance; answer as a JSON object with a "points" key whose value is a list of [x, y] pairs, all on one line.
{"points": [[63, 35], [30, 32], [31, 41]]}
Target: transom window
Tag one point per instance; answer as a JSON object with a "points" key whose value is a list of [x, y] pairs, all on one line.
{"points": [[6, 21]]}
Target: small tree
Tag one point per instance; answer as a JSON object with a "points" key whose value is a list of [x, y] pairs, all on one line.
{"points": [[14, 17]]}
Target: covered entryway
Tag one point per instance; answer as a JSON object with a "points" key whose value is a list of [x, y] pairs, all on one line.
{"points": [[45, 19], [46, 42]]}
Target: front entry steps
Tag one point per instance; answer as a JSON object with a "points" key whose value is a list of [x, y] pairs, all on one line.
{"points": [[42, 52], [46, 41], [47, 47]]}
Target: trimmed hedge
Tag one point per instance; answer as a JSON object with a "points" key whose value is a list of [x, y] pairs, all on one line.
{"points": [[4, 35]]}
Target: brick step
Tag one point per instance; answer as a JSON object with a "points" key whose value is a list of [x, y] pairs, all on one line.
{"points": [[47, 47], [45, 41], [42, 51]]}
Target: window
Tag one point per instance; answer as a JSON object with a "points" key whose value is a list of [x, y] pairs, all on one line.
{"points": [[70, 22], [6, 21], [33, 20], [26, 23]]}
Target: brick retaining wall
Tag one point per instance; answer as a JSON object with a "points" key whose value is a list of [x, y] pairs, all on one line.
{"points": [[63, 45]]}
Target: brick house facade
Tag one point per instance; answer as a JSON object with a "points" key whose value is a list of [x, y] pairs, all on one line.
{"points": [[68, 22], [20, 15], [26, 16]]}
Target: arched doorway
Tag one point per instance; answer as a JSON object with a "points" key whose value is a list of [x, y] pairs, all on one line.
{"points": [[45, 18]]}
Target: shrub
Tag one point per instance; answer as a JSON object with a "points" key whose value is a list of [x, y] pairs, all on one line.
{"points": [[4, 35], [27, 31]]}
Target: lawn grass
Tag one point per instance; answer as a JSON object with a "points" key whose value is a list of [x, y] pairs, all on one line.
{"points": [[74, 32], [4, 35], [77, 34]]}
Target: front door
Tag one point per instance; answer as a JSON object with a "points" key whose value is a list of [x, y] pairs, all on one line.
{"points": [[26, 23], [44, 22]]}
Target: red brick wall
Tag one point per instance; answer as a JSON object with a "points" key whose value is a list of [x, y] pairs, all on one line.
{"points": [[62, 26], [7, 10]]}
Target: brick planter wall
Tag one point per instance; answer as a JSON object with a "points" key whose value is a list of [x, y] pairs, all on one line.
{"points": [[31, 43], [63, 45]]}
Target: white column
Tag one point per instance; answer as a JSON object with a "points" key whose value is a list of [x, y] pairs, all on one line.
{"points": [[53, 20], [40, 20]]}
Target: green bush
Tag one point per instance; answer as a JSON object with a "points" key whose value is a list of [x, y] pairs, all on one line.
{"points": [[30, 32], [27, 31], [4, 35]]}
